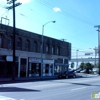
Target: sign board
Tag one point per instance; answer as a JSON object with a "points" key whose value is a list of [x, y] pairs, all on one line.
{"points": [[36, 60], [9, 58], [89, 53], [48, 61]]}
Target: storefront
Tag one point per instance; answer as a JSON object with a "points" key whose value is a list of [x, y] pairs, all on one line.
{"points": [[6, 66], [48, 67], [34, 66], [60, 66]]}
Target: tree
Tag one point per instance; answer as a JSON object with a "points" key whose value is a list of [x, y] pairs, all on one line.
{"points": [[87, 66], [82, 66]]}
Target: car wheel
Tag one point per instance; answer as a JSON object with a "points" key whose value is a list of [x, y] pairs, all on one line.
{"points": [[66, 76], [74, 76]]}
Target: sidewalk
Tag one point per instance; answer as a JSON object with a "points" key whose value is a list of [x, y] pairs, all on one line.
{"points": [[87, 75], [27, 79]]}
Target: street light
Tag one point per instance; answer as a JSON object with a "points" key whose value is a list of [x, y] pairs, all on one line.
{"points": [[77, 57], [42, 45]]}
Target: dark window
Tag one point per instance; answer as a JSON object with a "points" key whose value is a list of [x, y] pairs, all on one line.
{"points": [[19, 44], [52, 50], [10, 43], [58, 50], [35, 46], [27, 45], [47, 48]]}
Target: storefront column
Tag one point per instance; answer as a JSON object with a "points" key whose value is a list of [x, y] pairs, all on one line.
{"points": [[30, 69], [53, 69], [19, 67], [26, 67]]}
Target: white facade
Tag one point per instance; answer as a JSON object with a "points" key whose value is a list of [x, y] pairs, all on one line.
{"points": [[85, 56]]}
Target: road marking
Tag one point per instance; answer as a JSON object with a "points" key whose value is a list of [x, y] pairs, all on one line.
{"points": [[78, 88], [6, 98]]}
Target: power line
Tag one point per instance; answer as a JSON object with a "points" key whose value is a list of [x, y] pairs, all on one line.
{"points": [[74, 11], [49, 6], [49, 26], [54, 28], [67, 14]]}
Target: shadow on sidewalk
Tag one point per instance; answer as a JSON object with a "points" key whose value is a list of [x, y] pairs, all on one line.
{"points": [[16, 89]]}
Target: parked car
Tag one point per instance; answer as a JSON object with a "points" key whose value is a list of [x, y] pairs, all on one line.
{"points": [[83, 71], [67, 74], [78, 71]]}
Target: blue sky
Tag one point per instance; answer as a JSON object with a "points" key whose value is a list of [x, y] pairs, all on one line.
{"points": [[75, 19]]}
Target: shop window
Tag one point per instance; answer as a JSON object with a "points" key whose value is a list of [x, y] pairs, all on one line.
{"points": [[35, 46], [10, 43], [47, 68], [35, 69], [27, 45], [19, 44]]}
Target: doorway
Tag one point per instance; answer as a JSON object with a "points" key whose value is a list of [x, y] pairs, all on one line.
{"points": [[23, 66]]}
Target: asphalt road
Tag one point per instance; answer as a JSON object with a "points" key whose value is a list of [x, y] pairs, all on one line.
{"points": [[62, 89]]}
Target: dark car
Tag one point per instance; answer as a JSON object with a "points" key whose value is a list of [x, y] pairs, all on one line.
{"points": [[67, 74]]}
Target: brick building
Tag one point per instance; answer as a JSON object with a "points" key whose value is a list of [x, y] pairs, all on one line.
{"points": [[56, 54]]}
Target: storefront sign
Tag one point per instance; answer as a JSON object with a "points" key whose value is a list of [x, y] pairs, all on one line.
{"points": [[9, 58], [48, 61], [37, 60]]}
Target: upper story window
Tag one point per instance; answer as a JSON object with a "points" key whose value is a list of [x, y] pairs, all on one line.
{"points": [[19, 44], [1, 40], [58, 50], [10, 42], [27, 44], [35, 46], [52, 49], [47, 48]]}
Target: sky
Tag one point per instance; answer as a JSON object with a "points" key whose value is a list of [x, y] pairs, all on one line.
{"points": [[75, 20]]}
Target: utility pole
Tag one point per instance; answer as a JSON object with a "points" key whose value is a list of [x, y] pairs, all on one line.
{"points": [[95, 49], [98, 26], [14, 33]]}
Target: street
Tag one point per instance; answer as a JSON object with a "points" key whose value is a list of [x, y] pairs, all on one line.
{"points": [[62, 89]]}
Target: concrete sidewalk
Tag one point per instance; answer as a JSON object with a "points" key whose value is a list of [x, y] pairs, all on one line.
{"points": [[87, 75], [27, 79]]}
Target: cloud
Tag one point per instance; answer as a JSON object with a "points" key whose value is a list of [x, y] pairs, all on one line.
{"points": [[56, 9]]}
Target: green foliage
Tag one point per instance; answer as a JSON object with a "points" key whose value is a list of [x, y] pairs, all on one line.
{"points": [[82, 66], [87, 66]]}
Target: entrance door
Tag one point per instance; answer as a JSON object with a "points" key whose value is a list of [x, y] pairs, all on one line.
{"points": [[9, 69], [23, 64]]}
